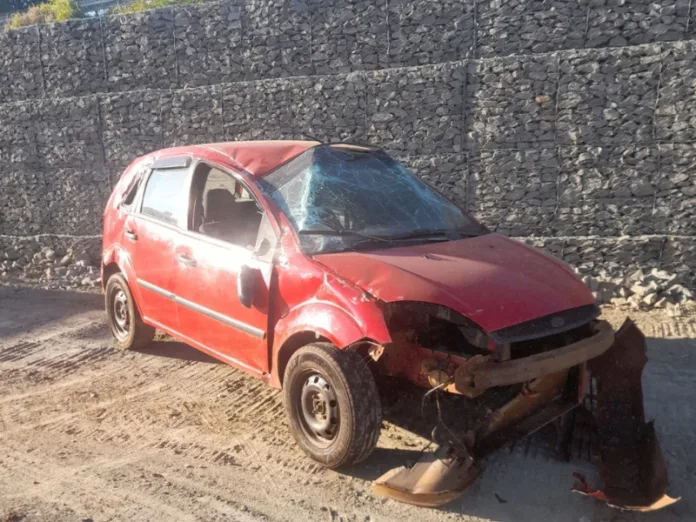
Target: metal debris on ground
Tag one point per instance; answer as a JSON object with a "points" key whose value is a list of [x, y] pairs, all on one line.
{"points": [[606, 390]]}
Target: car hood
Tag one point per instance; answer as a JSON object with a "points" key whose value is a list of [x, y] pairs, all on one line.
{"points": [[495, 281]]}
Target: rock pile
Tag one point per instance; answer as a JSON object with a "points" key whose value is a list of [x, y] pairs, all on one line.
{"points": [[70, 269], [76, 266], [641, 290]]}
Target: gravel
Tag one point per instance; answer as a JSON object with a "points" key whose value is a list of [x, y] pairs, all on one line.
{"points": [[65, 264]]}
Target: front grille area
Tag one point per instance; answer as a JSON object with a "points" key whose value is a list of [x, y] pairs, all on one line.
{"points": [[546, 326], [548, 343]]}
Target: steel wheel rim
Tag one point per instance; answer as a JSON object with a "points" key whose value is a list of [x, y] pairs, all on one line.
{"points": [[318, 410], [121, 317]]}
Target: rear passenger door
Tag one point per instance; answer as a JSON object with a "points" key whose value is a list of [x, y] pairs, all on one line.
{"points": [[153, 231]]}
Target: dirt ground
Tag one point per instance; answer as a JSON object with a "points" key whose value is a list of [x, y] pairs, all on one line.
{"points": [[88, 433]]}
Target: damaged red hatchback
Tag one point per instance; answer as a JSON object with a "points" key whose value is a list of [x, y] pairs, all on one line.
{"points": [[322, 268]]}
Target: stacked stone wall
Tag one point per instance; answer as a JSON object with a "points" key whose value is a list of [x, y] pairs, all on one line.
{"points": [[553, 122], [243, 40]]}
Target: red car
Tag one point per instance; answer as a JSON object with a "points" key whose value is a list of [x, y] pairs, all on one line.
{"points": [[320, 268]]}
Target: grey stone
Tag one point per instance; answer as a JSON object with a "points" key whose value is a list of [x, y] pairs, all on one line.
{"points": [[643, 290], [593, 284], [660, 303], [611, 114], [650, 299], [674, 311]]}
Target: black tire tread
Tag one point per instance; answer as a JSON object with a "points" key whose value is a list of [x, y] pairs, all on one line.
{"points": [[141, 334], [363, 397]]}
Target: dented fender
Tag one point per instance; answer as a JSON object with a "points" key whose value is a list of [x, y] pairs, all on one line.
{"points": [[328, 320]]}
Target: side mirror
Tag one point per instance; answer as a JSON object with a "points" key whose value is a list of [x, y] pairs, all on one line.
{"points": [[246, 285]]}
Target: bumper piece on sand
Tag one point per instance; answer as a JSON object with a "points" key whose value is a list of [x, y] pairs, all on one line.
{"points": [[633, 470]]}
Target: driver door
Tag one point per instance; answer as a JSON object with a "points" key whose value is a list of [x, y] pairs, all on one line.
{"points": [[210, 254]]}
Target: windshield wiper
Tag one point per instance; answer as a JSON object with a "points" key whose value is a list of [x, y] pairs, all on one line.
{"points": [[435, 234], [342, 232]]}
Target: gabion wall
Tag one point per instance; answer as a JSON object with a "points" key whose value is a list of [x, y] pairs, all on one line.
{"points": [[243, 40], [588, 153]]}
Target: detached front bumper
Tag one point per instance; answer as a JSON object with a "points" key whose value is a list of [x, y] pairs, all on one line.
{"points": [[473, 376], [555, 383], [489, 373]]}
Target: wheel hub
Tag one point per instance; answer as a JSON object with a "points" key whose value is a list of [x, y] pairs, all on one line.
{"points": [[121, 316], [319, 409]]}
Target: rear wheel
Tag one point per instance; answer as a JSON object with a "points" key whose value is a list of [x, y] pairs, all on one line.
{"points": [[332, 404], [124, 320]]}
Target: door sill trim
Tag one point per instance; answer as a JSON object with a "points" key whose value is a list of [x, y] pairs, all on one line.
{"points": [[225, 319]]}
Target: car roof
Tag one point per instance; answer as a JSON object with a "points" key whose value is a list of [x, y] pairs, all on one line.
{"points": [[255, 157]]}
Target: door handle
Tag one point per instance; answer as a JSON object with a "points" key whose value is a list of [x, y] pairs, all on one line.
{"points": [[131, 235], [186, 260]]}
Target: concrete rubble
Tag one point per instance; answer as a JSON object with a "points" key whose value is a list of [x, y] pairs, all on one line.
{"points": [[71, 267], [641, 290]]}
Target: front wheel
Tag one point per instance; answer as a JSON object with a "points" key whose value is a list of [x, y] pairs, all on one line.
{"points": [[124, 320], [332, 403]]}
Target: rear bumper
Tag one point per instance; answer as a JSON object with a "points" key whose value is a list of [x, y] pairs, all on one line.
{"points": [[488, 373]]}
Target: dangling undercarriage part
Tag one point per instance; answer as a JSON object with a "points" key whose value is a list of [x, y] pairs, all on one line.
{"points": [[553, 383]]}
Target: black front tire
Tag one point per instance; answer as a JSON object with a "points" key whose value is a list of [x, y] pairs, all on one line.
{"points": [[351, 418], [124, 320]]}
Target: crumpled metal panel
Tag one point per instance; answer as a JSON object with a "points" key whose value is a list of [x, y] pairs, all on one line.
{"points": [[633, 470]]}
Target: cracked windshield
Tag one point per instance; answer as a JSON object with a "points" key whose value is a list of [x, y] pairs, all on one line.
{"points": [[345, 199]]}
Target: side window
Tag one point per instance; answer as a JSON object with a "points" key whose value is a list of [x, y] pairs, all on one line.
{"points": [[164, 197], [223, 208], [131, 193]]}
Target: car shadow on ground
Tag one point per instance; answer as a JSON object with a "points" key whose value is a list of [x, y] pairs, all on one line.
{"points": [[172, 349], [24, 309]]}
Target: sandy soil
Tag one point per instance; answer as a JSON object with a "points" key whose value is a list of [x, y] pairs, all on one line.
{"points": [[91, 433]]}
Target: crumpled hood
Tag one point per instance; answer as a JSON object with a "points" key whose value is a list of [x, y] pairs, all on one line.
{"points": [[495, 281]]}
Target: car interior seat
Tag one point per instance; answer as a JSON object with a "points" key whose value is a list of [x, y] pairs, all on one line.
{"points": [[218, 214], [229, 219]]}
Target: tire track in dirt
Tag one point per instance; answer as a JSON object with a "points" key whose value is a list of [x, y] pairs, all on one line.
{"points": [[55, 474], [18, 351]]}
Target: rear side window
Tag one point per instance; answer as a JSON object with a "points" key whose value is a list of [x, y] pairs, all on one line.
{"points": [[132, 191], [165, 195]]}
